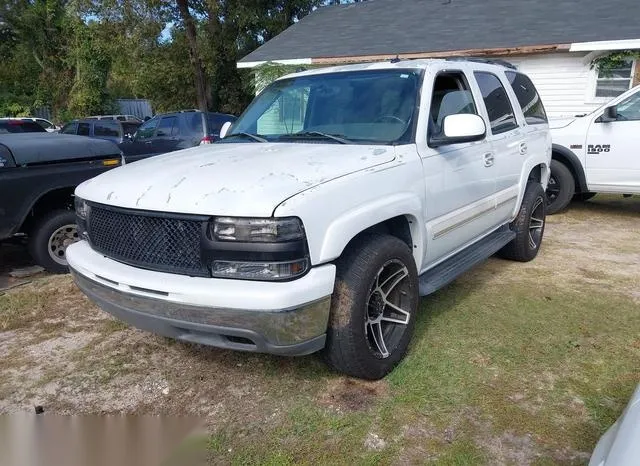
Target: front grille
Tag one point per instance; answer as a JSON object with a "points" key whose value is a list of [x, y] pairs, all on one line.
{"points": [[148, 240]]}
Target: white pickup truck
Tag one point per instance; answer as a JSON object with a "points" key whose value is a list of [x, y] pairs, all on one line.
{"points": [[596, 153], [338, 198]]}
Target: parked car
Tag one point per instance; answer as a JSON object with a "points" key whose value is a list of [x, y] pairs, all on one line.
{"points": [[46, 124], [619, 446], [38, 174], [118, 132], [338, 198], [174, 131], [115, 117], [596, 153], [16, 125]]}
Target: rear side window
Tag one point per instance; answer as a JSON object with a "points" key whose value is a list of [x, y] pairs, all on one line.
{"points": [[194, 123], [84, 129], [497, 102], [106, 128], [528, 98], [69, 128], [20, 126]]}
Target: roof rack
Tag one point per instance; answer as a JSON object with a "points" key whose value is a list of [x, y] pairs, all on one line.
{"points": [[489, 61]]}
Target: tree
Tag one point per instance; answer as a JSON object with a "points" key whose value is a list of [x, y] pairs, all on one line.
{"points": [[200, 80]]}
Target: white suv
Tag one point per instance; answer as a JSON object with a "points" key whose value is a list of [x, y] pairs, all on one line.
{"points": [[596, 153], [338, 198]]}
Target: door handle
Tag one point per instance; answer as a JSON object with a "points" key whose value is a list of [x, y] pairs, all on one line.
{"points": [[488, 159], [147, 142], [523, 148]]}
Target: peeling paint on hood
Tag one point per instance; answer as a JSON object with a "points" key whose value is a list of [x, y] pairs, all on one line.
{"points": [[247, 179]]}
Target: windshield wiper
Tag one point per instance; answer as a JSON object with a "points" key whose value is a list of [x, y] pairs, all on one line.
{"points": [[255, 137], [333, 137]]}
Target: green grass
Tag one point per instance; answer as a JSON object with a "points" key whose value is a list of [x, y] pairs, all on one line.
{"points": [[539, 361]]}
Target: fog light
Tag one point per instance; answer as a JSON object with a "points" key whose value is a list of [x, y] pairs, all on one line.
{"points": [[259, 270]]}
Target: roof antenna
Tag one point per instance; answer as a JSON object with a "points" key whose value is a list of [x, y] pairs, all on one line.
{"points": [[395, 60]]}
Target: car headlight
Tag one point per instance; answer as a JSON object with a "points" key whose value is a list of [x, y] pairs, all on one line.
{"points": [[271, 249], [257, 230], [82, 208], [82, 213]]}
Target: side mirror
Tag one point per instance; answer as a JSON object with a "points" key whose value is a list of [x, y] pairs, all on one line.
{"points": [[610, 114], [460, 128], [225, 129]]}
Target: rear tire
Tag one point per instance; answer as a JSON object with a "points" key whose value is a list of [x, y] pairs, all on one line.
{"points": [[528, 225], [50, 237], [373, 308], [561, 187]]}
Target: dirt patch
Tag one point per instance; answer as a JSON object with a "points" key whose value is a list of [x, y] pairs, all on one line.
{"points": [[346, 395]]}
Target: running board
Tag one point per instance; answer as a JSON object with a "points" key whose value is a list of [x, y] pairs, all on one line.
{"points": [[444, 273]]}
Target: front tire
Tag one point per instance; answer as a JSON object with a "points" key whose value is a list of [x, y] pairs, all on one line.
{"points": [[373, 308], [561, 187], [50, 237], [528, 225]]}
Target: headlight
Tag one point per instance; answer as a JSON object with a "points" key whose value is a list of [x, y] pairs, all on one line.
{"points": [[269, 249], [259, 270], [257, 230], [82, 208]]}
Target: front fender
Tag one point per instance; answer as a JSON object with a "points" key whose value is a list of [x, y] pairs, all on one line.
{"points": [[348, 225], [333, 213]]}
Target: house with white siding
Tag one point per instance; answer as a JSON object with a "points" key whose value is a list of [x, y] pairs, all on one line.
{"points": [[555, 42]]}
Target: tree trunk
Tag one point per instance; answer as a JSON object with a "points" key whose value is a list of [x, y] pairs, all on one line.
{"points": [[202, 93]]}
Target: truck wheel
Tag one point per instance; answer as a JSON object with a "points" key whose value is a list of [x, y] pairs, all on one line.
{"points": [[373, 308], [50, 237], [561, 187], [528, 225]]}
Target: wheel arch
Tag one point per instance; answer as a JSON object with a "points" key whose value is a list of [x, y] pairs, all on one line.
{"points": [[57, 198], [572, 162], [399, 217]]}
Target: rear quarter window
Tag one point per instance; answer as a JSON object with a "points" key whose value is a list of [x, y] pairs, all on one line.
{"points": [[106, 128], [528, 98], [193, 123]]}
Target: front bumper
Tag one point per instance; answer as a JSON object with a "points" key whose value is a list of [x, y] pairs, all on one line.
{"points": [[188, 308]]}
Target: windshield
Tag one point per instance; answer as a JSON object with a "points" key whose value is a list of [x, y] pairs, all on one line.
{"points": [[369, 106]]}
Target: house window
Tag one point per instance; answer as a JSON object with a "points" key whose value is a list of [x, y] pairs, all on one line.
{"points": [[614, 82]]}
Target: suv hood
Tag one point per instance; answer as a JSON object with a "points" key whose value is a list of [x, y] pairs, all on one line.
{"points": [[243, 179]]}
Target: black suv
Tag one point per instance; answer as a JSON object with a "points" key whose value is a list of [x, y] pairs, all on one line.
{"points": [[111, 130], [174, 131]]}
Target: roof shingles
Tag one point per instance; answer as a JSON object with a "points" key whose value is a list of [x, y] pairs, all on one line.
{"points": [[381, 27]]}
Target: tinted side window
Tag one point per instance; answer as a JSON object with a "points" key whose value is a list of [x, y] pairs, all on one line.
{"points": [[451, 96], [194, 122], [147, 129], [496, 100], [106, 128], [84, 129], [69, 128], [166, 126], [528, 98]]}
